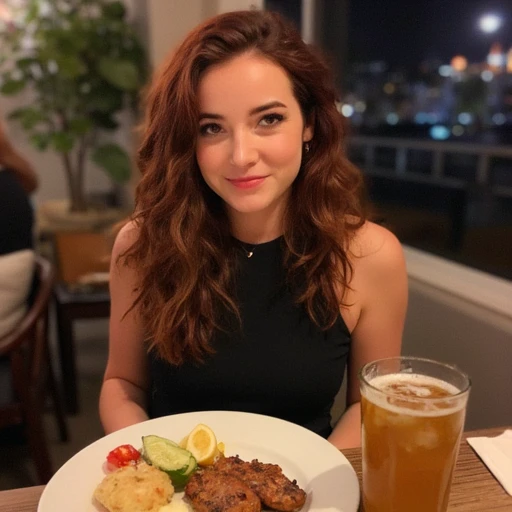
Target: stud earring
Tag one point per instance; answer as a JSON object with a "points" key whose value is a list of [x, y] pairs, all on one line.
{"points": [[307, 147]]}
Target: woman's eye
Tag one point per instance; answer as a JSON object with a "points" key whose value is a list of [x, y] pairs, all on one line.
{"points": [[209, 129], [271, 119]]}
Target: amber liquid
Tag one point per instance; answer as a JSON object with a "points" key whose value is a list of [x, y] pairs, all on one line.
{"points": [[410, 447]]}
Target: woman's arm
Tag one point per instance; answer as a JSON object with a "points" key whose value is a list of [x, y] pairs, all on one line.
{"points": [[380, 289], [11, 159], [123, 394]]}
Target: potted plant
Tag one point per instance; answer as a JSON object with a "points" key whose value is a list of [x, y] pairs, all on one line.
{"points": [[84, 64]]}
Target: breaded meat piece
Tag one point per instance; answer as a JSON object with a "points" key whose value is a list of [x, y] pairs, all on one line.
{"points": [[211, 491], [267, 481]]}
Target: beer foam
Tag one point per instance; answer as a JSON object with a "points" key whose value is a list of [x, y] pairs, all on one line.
{"points": [[417, 385]]}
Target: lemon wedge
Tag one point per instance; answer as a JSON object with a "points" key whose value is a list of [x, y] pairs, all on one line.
{"points": [[202, 444]]}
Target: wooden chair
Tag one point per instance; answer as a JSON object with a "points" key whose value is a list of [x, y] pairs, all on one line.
{"points": [[77, 254], [24, 353]]}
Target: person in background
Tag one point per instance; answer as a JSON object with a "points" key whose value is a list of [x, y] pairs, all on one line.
{"points": [[249, 277], [17, 180], [11, 159]]}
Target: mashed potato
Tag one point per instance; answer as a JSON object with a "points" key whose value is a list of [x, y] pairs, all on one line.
{"points": [[138, 488], [176, 506]]}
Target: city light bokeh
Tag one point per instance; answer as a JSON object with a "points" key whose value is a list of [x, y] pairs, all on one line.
{"points": [[490, 23], [459, 98]]}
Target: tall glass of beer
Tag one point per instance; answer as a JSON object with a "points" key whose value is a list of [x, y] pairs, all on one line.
{"points": [[413, 414]]}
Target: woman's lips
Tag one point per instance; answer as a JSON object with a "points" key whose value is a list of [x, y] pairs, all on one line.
{"points": [[246, 183]]}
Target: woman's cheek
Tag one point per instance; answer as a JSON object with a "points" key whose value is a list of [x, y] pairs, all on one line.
{"points": [[285, 150], [208, 159]]}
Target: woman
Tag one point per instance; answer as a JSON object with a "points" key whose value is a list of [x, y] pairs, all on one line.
{"points": [[248, 278], [17, 180], [12, 160]]}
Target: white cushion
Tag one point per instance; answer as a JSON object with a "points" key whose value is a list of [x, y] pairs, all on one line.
{"points": [[16, 272]]}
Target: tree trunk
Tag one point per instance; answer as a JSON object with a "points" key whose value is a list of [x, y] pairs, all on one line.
{"points": [[75, 183], [77, 198]]}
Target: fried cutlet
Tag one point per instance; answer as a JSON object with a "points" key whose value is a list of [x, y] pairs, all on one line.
{"points": [[212, 491], [267, 481]]}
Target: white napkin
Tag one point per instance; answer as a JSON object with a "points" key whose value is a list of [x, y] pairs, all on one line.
{"points": [[496, 452]]}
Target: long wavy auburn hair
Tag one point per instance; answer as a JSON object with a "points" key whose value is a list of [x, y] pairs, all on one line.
{"points": [[184, 255]]}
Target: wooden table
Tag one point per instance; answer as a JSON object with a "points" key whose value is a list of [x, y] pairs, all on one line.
{"points": [[474, 488], [71, 306]]}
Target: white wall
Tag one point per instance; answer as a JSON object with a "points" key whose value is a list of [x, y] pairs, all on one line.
{"points": [[462, 316], [169, 21], [442, 327], [238, 5]]}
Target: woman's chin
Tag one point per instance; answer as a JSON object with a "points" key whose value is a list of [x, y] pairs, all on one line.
{"points": [[247, 207]]}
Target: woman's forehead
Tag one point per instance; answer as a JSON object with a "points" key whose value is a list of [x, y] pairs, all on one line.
{"points": [[243, 83]]}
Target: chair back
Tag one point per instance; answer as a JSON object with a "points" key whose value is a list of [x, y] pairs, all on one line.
{"points": [[37, 314], [25, 350], [81, 253]]}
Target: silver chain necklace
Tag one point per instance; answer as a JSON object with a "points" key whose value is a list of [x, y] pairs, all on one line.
{"points": [[249, 252]]}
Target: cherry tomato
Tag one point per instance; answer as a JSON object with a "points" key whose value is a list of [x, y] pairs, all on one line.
{"points": [[123, 455]]}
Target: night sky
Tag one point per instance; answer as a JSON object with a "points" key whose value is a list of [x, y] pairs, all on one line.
{"points": [[405, 32]]}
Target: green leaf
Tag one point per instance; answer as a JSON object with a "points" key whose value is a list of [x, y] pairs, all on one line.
{"points": [[114, 161], [104, 120], [70, 66], [12, 87], [105, 98], [120, 73], [40, 140], [62, 142], [25, 62], [31, 117], [32, 13], [80, 126], [114, 10]]}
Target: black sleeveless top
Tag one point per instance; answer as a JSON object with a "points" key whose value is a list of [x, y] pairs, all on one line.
{"points": [[16, 215], [281, 364]]}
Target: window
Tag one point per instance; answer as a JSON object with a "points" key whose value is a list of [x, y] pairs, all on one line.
{"points": [[426, 87]]}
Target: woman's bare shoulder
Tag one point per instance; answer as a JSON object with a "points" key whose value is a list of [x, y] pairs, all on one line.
{"points": [[124, 241], [377, 247], [126, 237]]}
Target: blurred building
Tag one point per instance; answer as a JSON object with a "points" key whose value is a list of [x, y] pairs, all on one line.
{"points": [[464, 97]]}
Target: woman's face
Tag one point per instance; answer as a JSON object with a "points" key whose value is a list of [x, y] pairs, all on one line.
{"points": [[251, 134]]}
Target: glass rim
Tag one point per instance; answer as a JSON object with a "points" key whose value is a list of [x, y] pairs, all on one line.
{"points": [[465, 376]]}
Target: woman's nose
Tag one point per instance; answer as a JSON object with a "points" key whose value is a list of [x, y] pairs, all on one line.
{"points": [[244, 152]]}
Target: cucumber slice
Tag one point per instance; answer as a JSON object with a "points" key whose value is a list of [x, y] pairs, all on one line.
{"points": [[192, 466], [167, 456]]}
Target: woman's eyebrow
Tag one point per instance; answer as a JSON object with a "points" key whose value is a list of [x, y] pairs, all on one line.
{"points": [[266, 106], [256, 110], [206, 115]]}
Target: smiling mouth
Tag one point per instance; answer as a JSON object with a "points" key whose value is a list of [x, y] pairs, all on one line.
{"points": [[249, 182]]}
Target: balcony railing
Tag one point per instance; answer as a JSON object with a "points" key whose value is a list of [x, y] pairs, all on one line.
{"points": [[462, 182], [439, 150]]}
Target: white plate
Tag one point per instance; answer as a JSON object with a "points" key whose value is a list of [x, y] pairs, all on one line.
{"points": [[319, 468]]}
